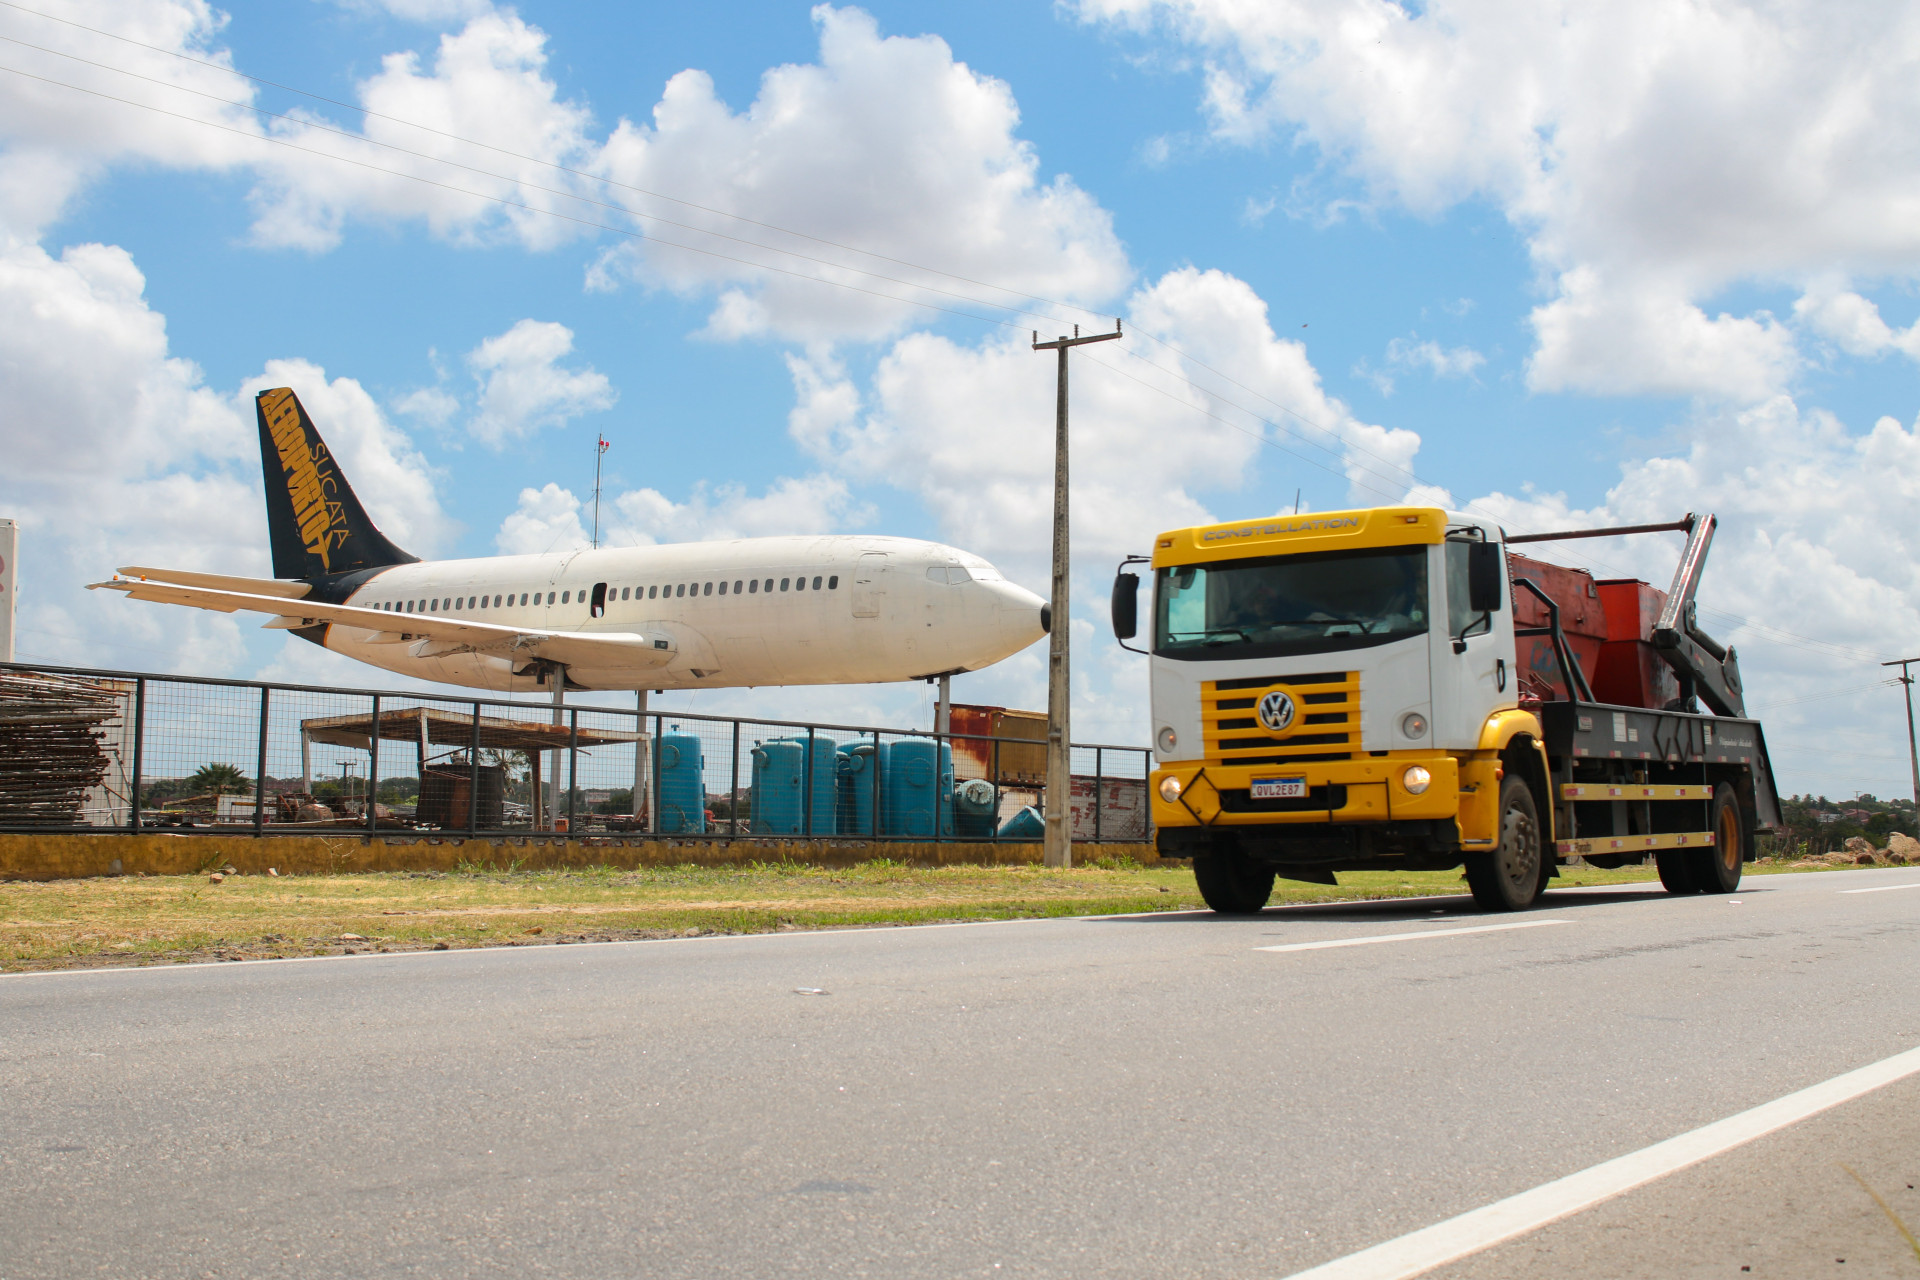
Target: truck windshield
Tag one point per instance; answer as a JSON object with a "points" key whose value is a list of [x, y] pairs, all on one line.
{"points": [[1281, 605]]}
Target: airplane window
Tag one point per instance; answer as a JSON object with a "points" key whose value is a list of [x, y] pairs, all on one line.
{"points": [[753, 586], [523, 597], [496, 602], [723, 588], [816, 582], [799, 584], [652, 592], [708, 591], [549, 597], [681, 590], [564, 595], [833, 583], [769, 585], [783, 584], [625, 592], [736, 586]]}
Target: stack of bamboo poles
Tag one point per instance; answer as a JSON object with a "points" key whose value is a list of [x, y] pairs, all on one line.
{"points": [[50, 746]]}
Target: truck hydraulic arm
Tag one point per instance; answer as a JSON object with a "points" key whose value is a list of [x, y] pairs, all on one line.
{"points": [[1704, 665]]}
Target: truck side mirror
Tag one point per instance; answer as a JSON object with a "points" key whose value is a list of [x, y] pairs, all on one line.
{"points": [[1485, 568], [1126, 606]]}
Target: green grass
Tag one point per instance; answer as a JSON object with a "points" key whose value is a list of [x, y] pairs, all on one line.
{"points": [[162, 919]]}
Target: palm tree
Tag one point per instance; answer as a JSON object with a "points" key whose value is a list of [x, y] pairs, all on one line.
{"points": [[218, 780]]}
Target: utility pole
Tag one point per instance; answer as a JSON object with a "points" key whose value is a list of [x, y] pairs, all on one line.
{"points": [[599, 452], [1058, 849], [1913, 749]]}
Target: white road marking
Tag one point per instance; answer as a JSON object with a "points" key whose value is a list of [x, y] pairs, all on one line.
{"points": [[1883, 888], [1409, 937], [1421, 1251]]}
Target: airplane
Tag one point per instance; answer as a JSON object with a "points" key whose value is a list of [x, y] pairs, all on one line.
{"points": [[841, 609]]}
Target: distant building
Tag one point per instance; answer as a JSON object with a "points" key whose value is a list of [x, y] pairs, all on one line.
{"points": [[1856, 815]]}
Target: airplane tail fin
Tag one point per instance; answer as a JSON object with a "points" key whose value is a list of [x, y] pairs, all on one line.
{"points": [[318, 528]]}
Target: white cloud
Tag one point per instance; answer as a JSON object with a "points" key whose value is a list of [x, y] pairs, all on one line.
{"points": [[488, 83], [554, 519], [523, 388], [1412, 354], [806, 504], [1653, 153], [547, 519], [54, 135], [885, 142], [1814, 574], [1853, 323], [119, 454], [968, 429]]}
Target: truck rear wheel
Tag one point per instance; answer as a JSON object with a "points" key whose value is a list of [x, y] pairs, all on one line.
{"points": [[1717, 870], [1232, 883], [1511, 876]]}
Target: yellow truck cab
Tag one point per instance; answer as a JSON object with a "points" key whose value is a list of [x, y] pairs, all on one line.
{"points": [[1344, 690]]}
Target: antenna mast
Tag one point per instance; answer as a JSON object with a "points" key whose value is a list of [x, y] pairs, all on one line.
{"points": [[599, 452]]}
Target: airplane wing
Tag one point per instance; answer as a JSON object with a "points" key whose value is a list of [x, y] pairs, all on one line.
{"points": [[431, 636], [219, 581]]}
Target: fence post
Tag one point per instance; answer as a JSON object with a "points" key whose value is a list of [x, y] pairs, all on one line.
{"points": [[473, 775], [806, 783], [373, 769], [653, 774], [873, 767], [573, 769], [1099, 796], [260, 771], [139, 736], [733, 785]]}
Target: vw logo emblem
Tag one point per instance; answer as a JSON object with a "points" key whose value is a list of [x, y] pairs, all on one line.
{"points": [[1276, 710]]}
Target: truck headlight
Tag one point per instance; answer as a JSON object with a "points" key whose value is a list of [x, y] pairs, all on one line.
{"points": [[1169, 787], [1168, 740], [1413, 725], [1416, 780]]}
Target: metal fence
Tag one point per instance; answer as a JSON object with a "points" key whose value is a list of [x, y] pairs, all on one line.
{"points": [[90, 750]]}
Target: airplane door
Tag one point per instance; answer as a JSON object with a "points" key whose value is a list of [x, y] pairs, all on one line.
{"points": [[869, 584]]}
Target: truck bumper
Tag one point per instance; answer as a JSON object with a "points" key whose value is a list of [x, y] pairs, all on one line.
{"points": [[1372, 789]]}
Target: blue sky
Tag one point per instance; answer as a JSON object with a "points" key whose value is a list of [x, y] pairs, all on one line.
{"points": [[1567, 269]]}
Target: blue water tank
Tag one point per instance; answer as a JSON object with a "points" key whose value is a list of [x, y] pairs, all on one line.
{"points": [[682, 783], [1024, 825], [861, 767], [825, 784], [976, 805], [777, 768], [918, 785]]}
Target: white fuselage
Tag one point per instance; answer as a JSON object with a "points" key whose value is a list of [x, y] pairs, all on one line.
{"points": [[752, 611]]}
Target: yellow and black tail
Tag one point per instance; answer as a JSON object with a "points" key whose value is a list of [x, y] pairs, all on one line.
{"points": [[318, 528]]}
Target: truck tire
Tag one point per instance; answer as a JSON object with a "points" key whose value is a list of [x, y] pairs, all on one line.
{"points": [[1676, 870], [1232, 883], [1510, 877], [1717, 870]]}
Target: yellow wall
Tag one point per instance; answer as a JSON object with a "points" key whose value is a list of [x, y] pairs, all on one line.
{"points": [[63, 857]]}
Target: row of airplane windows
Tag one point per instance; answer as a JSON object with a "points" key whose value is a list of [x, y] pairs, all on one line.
{"points": [[605, 593]]}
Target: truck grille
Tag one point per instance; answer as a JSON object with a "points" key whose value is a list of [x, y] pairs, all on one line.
{"points": [[1326, 720]]}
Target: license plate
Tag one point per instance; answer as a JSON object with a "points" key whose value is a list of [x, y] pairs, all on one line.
{"points": [[1279, 788]]}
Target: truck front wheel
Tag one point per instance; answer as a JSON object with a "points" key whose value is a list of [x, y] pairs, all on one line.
{"points": [[1232, 883], [1510, 877]]}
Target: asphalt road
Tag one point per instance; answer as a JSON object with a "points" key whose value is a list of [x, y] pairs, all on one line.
{"points": [[1140, 1096]]}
